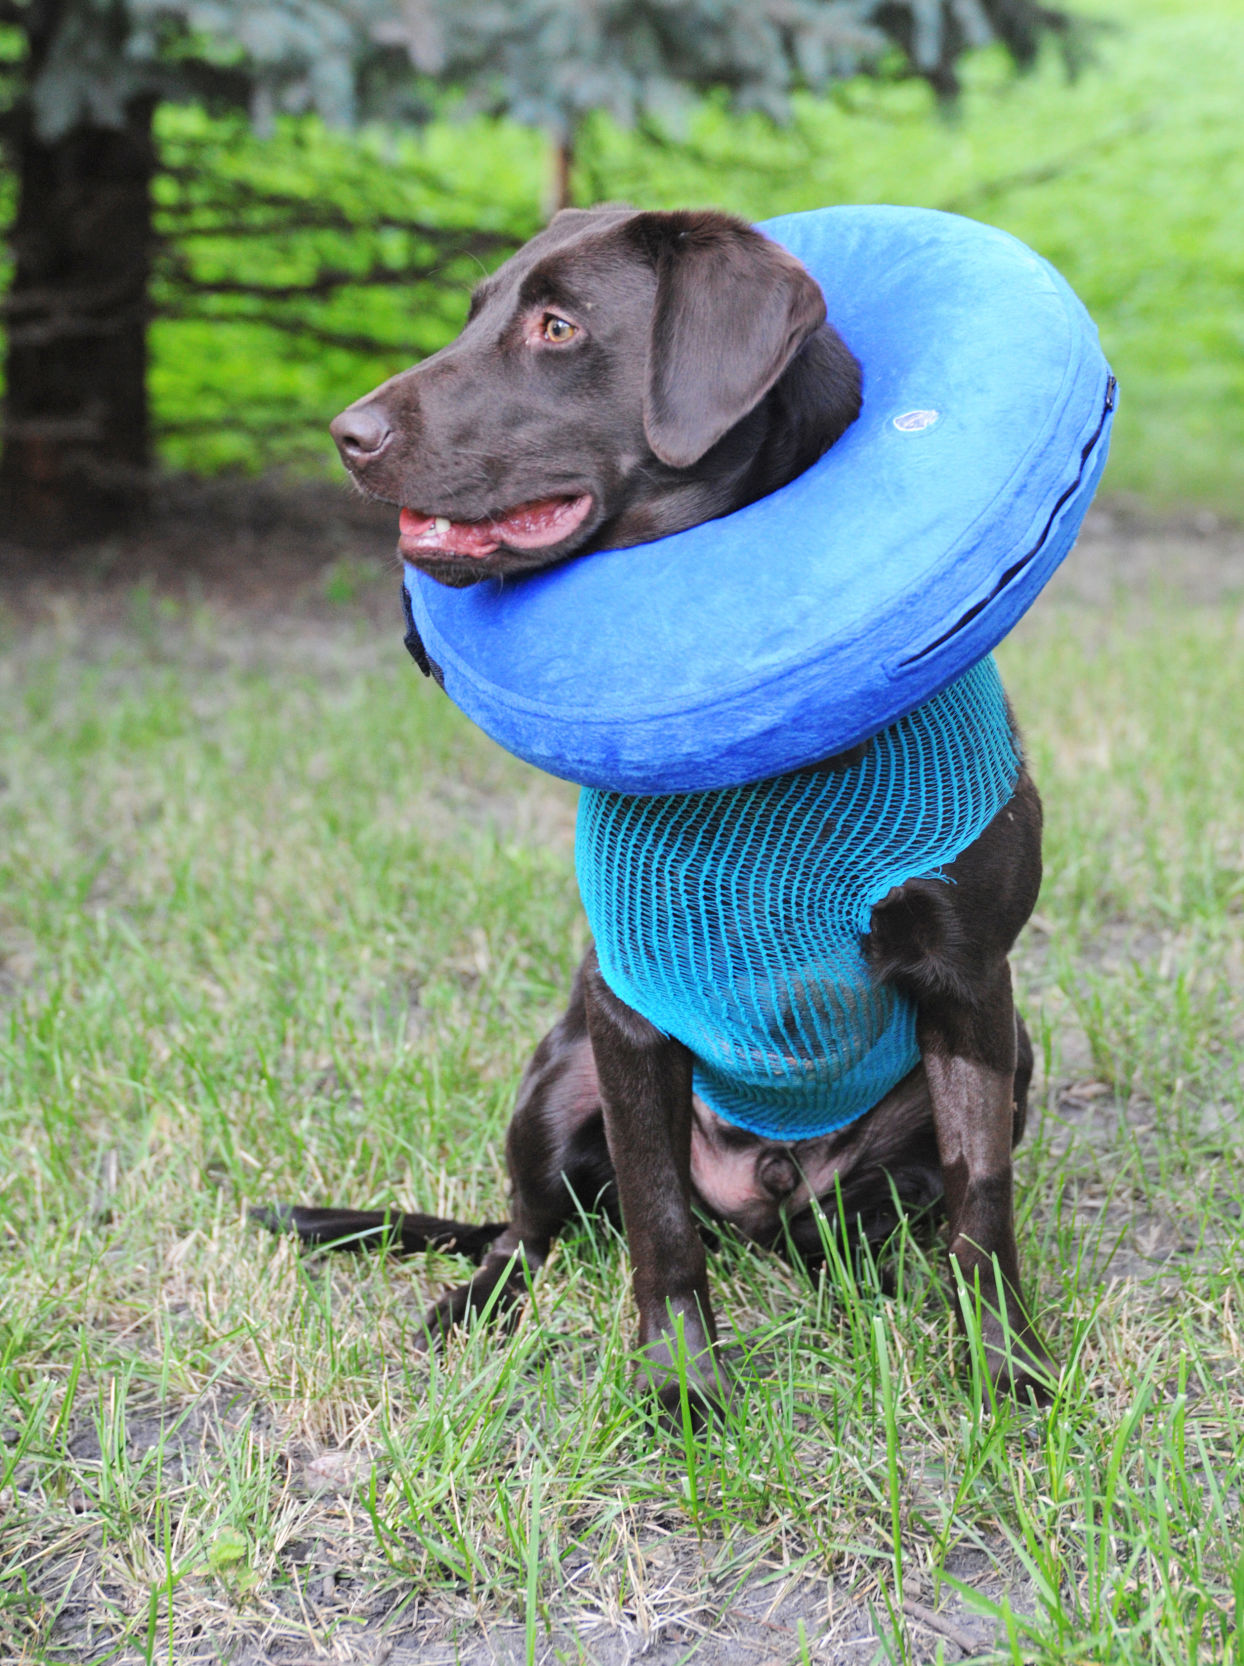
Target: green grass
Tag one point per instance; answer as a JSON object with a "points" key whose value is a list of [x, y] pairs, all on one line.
{"points": [[277, 923], [1127, 179]]}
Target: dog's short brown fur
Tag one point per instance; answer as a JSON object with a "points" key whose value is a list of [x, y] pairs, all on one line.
{"points": [[699, 373]]}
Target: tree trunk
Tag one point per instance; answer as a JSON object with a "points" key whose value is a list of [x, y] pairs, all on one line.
{"points": [[561, 175], [76, 432]]}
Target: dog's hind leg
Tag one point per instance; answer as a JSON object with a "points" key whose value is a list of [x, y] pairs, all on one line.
{"points": [[558, 1164]]}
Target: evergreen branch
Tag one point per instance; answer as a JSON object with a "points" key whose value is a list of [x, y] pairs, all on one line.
{"points": [[1044, 173], [204, 157], [302, 216], [291, 326], [260, 424], [326, 282], [231, 195]]}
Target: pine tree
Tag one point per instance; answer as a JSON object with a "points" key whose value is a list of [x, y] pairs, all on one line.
{"points": [[552, 63], [77, 133]]}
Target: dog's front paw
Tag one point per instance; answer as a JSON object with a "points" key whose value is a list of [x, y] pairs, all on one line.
{"points": [[489, 1297], [682, 1369], [690, 1403], [1018, 1364], [453, 1309]]}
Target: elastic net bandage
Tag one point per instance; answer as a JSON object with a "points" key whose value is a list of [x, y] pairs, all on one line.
{"points": [[733, 920]]}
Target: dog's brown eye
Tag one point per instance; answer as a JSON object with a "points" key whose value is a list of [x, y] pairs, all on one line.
{"points": [[557, 329]]}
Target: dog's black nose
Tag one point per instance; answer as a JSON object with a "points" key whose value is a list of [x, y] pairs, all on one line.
{"points": [[361, 433]]}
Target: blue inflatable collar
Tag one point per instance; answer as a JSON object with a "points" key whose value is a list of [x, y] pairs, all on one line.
{"points": [[810, 620]]}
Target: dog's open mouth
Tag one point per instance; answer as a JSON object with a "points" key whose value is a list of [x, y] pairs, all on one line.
{"points": [[528, 526]]}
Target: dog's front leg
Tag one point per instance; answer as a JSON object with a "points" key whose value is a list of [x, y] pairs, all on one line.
{"points": [[969, 1051], [645, 1086]]}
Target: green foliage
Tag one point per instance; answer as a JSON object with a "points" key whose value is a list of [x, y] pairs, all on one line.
{"points": [[88, 60], [549, 63], [1126, 179], [312, 262]]}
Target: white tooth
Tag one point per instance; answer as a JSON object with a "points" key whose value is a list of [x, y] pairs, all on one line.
{"points": [[441, 524]]}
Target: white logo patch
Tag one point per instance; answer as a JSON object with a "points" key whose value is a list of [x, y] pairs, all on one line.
{"points": [[912, 422]]}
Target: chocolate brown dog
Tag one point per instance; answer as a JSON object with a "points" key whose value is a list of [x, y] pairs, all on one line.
{"points": [[623, 376]]}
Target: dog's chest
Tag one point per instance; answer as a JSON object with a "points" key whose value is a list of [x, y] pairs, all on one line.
{"points": [[734, 919]]}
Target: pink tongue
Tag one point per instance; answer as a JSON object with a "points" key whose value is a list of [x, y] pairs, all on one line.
{"points": [[528, 526]]}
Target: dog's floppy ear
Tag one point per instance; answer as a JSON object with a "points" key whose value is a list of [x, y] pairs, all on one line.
{"points": [[732, 309]]}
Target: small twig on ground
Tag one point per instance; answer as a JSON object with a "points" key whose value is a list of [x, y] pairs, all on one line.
{"points": [[945, 1628]]}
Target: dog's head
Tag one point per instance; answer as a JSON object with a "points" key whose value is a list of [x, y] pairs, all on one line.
{"points": [[624, 375]]}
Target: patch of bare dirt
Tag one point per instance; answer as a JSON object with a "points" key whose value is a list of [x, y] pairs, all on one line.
{"points": [[266, 545], [259, 545], [1125, 548]]}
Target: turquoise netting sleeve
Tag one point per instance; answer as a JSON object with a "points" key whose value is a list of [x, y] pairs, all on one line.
{"points": [[733, 919]]}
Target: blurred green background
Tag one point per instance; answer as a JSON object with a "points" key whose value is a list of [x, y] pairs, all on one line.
{"points": [[1129, 178]]}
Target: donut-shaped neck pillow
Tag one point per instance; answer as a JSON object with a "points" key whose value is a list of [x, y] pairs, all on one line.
{"points": [[815, 617]]}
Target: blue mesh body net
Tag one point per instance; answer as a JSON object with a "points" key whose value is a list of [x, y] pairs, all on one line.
{"points": [[733, 919]]}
